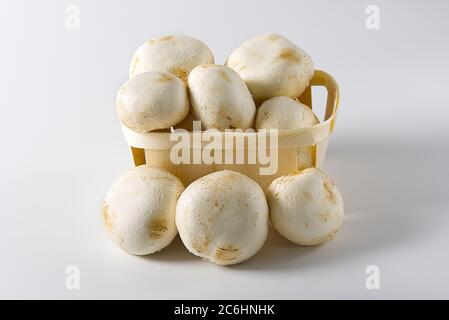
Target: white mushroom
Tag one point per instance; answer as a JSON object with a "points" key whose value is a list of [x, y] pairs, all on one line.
{"points": [[139, 209], [223, 217], [306, 208], [220, 98], [272, 66], [284, 113], [176, 54], [152, 100]]}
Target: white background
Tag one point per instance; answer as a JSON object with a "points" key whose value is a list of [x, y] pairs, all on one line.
{"points": [[62, 147]]}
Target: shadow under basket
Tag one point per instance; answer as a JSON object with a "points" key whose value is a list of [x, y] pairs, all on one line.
{"points": [[293, 150]]}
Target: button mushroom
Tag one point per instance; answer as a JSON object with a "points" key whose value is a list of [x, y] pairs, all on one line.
{"points": [[284, 113], [152, 100], [272, 66], [306, 208], [176, 54], [139, 209], [223, 217], [220, 98]]}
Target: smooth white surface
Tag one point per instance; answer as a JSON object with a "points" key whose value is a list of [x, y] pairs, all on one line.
{"points": [[62, 148]]}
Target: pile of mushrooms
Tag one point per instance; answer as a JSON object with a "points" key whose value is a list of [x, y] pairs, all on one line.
{"points": [[223, 217]]}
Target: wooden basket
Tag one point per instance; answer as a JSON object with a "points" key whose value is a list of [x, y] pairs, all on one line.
{"points": [[153, 148]]}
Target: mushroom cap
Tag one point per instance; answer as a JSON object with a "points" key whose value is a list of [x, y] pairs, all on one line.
{"points": [[284, 113], [139, 209], [176, 54], [152, 100], [223, 217], [306, 208], [220, 98], [272, 66]]}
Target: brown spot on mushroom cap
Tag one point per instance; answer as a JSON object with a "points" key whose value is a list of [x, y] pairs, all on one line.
{"points": [[201, 245], [273, 37], [289, 54], [166, 38], [325, 217], [333, 234], [224, 75], [107, 217], [226, 253], [307, 195], [157, 227], [180, 73], [163, 78], [328, 187]]}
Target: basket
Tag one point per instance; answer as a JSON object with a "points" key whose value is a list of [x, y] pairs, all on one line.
{"points": [[154, 148]]}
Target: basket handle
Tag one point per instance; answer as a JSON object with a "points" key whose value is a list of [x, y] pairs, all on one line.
{"points": [[321, 78]]}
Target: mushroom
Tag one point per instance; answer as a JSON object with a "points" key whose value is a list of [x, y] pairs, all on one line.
{"points": [[139, 209], [306, 208], [152, 100], [272, 66], [220, 98], [223, 217], [176, 54], [284, 113]]}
